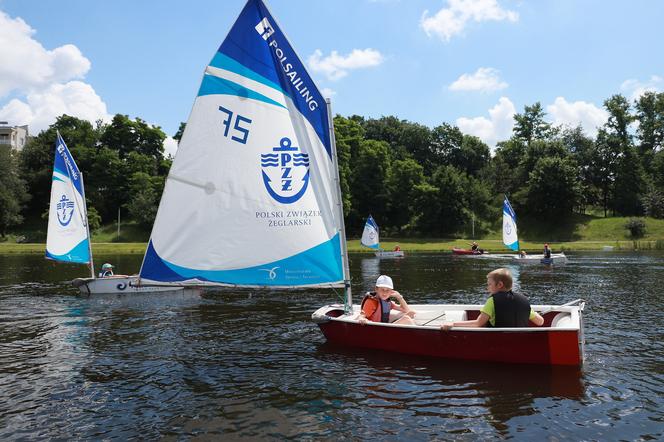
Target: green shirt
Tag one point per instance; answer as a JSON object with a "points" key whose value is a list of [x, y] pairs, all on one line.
{"points": [[490, 310]]}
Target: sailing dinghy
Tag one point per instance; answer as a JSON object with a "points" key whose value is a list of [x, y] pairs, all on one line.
{"points": [[252, 198], [68, 234], [371, 239], [511, 241]]}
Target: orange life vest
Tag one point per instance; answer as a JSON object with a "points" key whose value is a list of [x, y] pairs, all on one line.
{"points": [[373, 308]]}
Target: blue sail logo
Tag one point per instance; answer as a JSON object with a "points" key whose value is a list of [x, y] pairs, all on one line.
{"points": [[65, 210], [285, 172]]}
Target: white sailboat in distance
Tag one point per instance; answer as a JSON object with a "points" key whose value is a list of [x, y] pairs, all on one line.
{"points": [[371, 239]]}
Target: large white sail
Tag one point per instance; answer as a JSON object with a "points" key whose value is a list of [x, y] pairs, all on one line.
{"points": [[67, 237], [510, 235], [370, 236], [250, 199]]}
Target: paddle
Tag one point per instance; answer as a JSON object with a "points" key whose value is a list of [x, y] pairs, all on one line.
{"points": [[545, 311], [434, 319]]}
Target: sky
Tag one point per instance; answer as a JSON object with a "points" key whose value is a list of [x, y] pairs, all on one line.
{"points": [[471, 63]]}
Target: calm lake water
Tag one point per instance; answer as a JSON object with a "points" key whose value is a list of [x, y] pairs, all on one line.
{"points": [[249, 365]]}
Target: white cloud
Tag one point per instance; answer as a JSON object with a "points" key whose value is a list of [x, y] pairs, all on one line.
{"points": [[336, 66], [170, 146], [44, 82], [635, 88], [450, 21], [41, 107], [497, 127], [483, 80], [26, 65], [589, 116], [327, 92]]}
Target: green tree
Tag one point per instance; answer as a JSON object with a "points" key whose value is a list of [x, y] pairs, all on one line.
{"points": [[36, 158], [584, 152], [503, 167], [349, 135], [126, 135], [145, 191], [405, 139], [178, 135], [440, 204], [650, 132], [369, 194], [553, 189], [530, 125], [630, 184], [13, 190], [402, 178]]}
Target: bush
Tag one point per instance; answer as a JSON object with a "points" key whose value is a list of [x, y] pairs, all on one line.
{"points": [[636, 227]]}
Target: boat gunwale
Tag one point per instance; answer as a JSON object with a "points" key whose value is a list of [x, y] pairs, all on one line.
{"points": [[574, 311]]}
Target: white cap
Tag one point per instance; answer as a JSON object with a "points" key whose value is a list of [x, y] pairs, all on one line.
{"points": [[384, 281]]}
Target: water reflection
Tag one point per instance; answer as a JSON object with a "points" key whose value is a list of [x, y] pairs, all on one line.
{"points": [[433, 386]]}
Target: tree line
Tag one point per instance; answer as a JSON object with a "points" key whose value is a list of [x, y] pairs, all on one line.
{"points": [[414, 180]]}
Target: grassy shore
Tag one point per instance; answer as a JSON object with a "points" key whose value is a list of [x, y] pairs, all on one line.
{"points": [[407, 245], [587, 233]]}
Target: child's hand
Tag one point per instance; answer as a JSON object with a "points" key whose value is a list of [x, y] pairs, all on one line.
{"points": [[446, 326]]}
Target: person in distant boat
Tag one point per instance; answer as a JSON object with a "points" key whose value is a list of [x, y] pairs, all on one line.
{"points": [[522, 254], [476, 248], [397, 248], [547, 251], [376, 305], [504, 308], [106, 271]]}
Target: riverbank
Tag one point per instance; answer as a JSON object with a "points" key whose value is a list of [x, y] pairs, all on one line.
{"points": [[407, 245]]}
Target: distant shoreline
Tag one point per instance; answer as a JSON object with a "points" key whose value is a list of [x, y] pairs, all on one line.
{"points": [[407, 245]]}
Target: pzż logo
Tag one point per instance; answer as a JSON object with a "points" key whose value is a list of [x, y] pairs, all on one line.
{"points": [[285, 172], [65, 210]]}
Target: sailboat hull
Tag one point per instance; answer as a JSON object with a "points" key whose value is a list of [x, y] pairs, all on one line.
{"points": [[390, 254], [556, 258], [117, 285], [558, 342]]}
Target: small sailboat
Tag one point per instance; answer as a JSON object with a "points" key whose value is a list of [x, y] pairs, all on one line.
{"points": [[371, 239], [68, 234], [252, 198], [68, 237], [511, 241]]}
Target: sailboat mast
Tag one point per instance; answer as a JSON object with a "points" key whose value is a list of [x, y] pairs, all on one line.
{"points": [[91, 263], [340, 211]]}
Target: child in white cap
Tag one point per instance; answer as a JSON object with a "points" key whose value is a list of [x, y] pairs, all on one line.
{"points": [[376, 305]]}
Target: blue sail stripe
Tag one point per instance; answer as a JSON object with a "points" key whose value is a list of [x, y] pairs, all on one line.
{"points": [[225, 62], [319, 265], [79, 254], [212, 85], [55, 178], [513, 246]]}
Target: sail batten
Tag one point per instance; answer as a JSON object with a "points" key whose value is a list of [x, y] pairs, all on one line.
{"points": [[250, 200]]}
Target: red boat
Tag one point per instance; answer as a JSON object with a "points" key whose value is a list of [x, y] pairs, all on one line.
{"points": [[458, 251], [559, 341]]}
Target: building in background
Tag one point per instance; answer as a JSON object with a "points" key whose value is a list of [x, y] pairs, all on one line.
{"points": [[15, 136]]}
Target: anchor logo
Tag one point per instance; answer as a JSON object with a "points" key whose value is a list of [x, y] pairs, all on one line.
{"points": [[65, 210], [290, 168]]}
